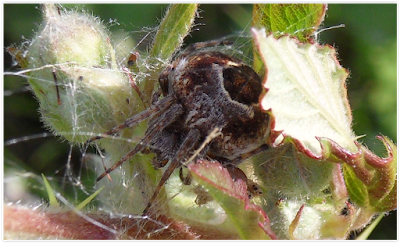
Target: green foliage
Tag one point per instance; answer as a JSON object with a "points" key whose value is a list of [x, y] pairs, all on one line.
{"points": [[52, 198], [300, 21], [297, 20]]}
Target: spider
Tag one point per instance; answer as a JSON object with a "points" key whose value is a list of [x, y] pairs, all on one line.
{"points": [[203, 90]]}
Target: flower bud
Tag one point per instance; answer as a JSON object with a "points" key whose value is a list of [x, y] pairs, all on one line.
{"points": [[74, 75]]}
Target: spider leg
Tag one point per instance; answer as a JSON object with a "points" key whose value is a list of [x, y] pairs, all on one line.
{"points": [[200, 45], [166, 119], [154, 109], [199, 153], [245, 156], [156, 96], [186, 180], [187, 145]]}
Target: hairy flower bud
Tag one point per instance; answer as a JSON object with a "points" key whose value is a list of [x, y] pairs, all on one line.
{"points": [[74, 75]]}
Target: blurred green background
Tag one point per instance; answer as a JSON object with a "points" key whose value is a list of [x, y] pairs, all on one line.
{"points": [[367, 46]]}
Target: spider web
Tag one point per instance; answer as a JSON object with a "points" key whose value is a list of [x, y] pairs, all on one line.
{"points": [[73, 177], [70, 169], [70, 175]]}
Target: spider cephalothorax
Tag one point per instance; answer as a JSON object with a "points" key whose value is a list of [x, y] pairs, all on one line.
{"points": [[203, 91]]}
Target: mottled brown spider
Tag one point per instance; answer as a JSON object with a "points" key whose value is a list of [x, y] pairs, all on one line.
{"points": [[202, 90]]}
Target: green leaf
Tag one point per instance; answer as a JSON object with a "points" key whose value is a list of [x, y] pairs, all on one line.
{"points": [[371, 181], [52, 198], [292, 179], [295, 175], [297, 20], [87, 200], [174, 27]]}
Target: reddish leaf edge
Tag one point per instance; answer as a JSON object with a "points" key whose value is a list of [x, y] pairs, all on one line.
{"points": [[240, 195]]}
